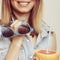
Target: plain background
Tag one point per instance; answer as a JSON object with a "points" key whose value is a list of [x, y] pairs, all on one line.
{"points": [[51, 16]]}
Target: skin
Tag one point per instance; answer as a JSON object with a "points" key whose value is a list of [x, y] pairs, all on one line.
{"points": [[19, 11]]}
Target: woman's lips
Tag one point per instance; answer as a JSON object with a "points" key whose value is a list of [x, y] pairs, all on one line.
{"points": [[23, 4]]}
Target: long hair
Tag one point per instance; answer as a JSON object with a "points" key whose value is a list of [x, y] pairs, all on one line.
{"points": [[6, 12], [34, 19], [36, 16]]}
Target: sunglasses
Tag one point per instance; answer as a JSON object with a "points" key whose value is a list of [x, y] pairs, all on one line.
{"points": [[22, 29]]}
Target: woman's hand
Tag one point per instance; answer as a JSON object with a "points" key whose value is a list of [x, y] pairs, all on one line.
{"points": [[16, 43], [15, 25]]}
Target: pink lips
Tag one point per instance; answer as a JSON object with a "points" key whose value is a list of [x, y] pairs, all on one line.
{"points": [[23, 3]]}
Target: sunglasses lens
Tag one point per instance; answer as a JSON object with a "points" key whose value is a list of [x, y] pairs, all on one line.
{"points": [[23, 29], [7, 32]]}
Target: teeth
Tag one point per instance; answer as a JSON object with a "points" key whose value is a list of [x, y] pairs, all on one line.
{"points": [[23, 4]]}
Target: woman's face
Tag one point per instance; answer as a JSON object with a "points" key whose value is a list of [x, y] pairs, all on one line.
{"points": [[22, 6]]}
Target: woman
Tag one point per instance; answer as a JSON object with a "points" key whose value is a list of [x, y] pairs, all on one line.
{"points": [[22, 47]]}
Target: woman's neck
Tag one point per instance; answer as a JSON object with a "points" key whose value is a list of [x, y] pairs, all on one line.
{"points": [[19, 16]]}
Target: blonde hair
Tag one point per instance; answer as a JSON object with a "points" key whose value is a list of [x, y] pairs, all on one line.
{"points": [[35, 16]]}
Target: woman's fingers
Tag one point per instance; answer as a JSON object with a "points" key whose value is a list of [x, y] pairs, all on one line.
{"points": [[15, 25]]}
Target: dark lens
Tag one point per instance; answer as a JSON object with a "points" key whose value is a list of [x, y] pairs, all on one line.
{"points": [[7, 32], [23, 29]]}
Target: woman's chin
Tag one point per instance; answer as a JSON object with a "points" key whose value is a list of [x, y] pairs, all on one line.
{"points": [[24, 11]]}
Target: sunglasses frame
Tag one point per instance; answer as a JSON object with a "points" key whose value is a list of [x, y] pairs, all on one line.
{"points": [[15, 33]]}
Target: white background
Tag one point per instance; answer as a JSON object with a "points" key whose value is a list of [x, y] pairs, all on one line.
{"points": [[51, 16]]}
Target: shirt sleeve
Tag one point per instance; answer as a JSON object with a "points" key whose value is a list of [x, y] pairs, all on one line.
{"points": [[4, 45], [43, 38], [3, 53]]}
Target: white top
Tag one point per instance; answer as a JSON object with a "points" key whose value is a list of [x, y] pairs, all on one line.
{"points": [[27, 49]]}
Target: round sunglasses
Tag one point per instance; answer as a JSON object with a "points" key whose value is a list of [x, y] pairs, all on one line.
{"points": [[22, 29]]}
